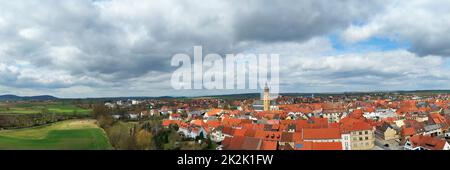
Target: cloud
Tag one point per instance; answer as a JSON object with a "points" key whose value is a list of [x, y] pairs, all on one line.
{"points": [[422, 24], [115, 47], [387, 70], [282, 20]]}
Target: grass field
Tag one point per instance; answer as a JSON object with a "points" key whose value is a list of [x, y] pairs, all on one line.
{"points": [[66, 135], [40, 107]]}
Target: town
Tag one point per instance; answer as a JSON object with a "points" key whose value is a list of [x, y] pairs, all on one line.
{"points": [[375, 121]]}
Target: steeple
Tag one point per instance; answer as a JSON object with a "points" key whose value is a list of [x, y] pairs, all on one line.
{"points": [[266, 99], [266, 88]]}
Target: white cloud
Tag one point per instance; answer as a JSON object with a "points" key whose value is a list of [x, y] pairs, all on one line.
{"points": [[423, 24], [119, 47], [30, 33]]}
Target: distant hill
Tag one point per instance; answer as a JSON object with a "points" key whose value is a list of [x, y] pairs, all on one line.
{"points": [[14, 97]]}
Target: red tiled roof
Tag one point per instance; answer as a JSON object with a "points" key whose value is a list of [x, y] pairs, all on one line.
{"points": [[197, 122], [319, 122], [358, 126], [169, 122], [327, 146], [269, 145], [214, 112], [251, 143], [297, 136], [239, 132], [247, 125], [213, 123], [268, 135], [227, 130], [231, 121], [250, 133], [287, 137], [273, 122], [370, 109], [236, 143], [437, 118], [408, 131], [323, 133], [428, 142]]}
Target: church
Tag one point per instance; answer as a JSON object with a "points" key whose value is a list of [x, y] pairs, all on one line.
{"points": [[265, 104]]}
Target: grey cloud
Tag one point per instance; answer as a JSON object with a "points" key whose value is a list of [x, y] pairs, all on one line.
{"points": [[422, 24], [107, 45], [285, 20]]}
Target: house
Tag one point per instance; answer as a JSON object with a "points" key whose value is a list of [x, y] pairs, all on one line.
{"points": [[447, 134], [420, 142], [216, 135], [386, 132], [268, 145], [133, 116], [288, 138], [244, 143], [144, 114], [110, 105], [196, 114], [193, 132], [213, 113], [233, 143], [333, 111], [116, 116], [154, 112], [268, 135], [251, 143], [321, 135], [318, 146], [408, 132], [175, 116], [167, 123], [360, 134], [433, 130]]}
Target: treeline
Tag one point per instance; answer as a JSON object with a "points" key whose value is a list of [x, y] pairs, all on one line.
{"points": [[9, 121], [146, 134]]}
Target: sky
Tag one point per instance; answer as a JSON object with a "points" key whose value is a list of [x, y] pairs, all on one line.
{"points": [[107, 48]]}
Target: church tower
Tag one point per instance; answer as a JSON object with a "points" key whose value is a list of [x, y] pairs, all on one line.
{"points": [[266, 99]]}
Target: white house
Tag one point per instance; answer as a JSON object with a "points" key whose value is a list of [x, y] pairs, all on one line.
{"points": [[133, 116], [193, 132], [217, 135], [433, 130], [346, 141]]}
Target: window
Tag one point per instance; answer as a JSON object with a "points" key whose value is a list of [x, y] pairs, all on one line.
{"points": [[367, 132], [360, 138], [360, 133], [367, 138]]}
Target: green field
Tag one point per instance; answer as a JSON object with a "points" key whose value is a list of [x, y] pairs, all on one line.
{"points": [[41, 107], [66, 135]]}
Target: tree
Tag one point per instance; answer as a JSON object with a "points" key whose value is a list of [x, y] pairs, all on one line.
{"points": [[173, 141], [101, 113], [144, 140], [201, 136], [174, 127], [210, 145]]}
